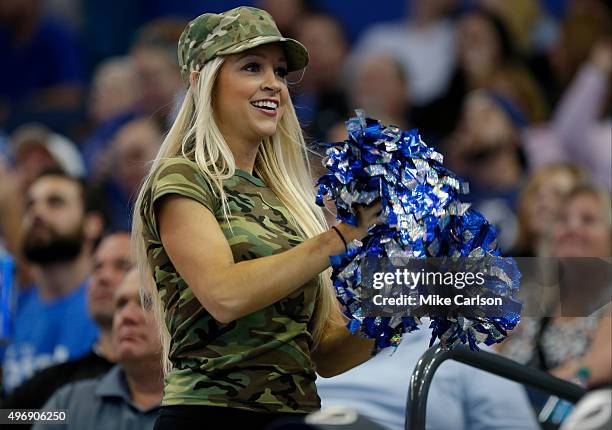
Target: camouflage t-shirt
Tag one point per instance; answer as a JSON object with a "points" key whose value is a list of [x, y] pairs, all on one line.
{"points": [[260, 362]]}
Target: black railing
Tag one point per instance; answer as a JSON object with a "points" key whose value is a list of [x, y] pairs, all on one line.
{"points": [[430, 361]]}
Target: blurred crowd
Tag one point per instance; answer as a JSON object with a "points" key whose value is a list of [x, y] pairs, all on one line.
{"points": [[515, 94]]}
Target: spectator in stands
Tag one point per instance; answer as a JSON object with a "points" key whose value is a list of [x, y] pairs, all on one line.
{"points": [[319, 96], [579, 130], [539, 205], [494, 145], [154, 57], [35, 149], [381, 89], [486, 58], [584, 24], [113, 89], [570, 346], [111, 261], [51, 324], [461, 397], [45, 73], [131, 150], [424, 44], [113, 96], [486, 150], [584, 229], [576, 134], [128, 396]]}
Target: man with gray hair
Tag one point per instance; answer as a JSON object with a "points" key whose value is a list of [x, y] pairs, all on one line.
{"points": [[128, 396]]}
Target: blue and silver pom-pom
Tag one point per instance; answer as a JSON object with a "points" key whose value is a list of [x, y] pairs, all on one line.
{"points": [[423, 217]]}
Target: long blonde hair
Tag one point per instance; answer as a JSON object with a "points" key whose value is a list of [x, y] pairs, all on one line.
{"points": [[281, 163]]}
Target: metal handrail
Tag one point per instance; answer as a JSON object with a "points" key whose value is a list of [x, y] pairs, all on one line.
{"points": [[489, 362]]}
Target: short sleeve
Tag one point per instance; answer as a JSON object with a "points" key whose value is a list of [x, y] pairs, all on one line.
{"points": [[176, 176]]}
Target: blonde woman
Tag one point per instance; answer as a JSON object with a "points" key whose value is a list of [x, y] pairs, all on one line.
{"points": [[574, 341], [227, 226], [539, 205]]}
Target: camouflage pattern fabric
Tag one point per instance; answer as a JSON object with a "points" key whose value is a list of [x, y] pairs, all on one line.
{"points": [[211, 35], [260, 362]]}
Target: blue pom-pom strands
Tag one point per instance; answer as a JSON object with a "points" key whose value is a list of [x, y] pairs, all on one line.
{"points": [[423, 217]]}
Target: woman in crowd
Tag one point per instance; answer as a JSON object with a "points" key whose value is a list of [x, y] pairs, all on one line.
{"points": [[539, 205], [580, 345], [486, 59], [236, 247], [574, 341]]}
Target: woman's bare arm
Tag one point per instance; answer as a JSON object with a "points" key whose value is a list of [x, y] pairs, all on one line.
{"points": [[598, 358], [339, 350], [201, 254]]}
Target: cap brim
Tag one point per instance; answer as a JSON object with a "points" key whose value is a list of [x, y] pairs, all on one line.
{"points": [[18, 148], [296, 53]]}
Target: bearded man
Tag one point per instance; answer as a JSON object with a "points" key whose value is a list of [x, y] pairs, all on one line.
{"points": [[51, 323]]}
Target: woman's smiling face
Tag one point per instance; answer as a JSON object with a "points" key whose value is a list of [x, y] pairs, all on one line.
{"points": [[583, 229], [251, 94]]}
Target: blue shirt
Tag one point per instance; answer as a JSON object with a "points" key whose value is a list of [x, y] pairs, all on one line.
{"points": [[101, 404], [460, 397], [47, 333]]}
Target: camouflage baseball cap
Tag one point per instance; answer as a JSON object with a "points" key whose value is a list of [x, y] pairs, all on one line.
{"points": [[211, 35]]}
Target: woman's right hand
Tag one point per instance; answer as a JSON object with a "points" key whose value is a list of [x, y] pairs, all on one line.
{"points": [[367, 216]]}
